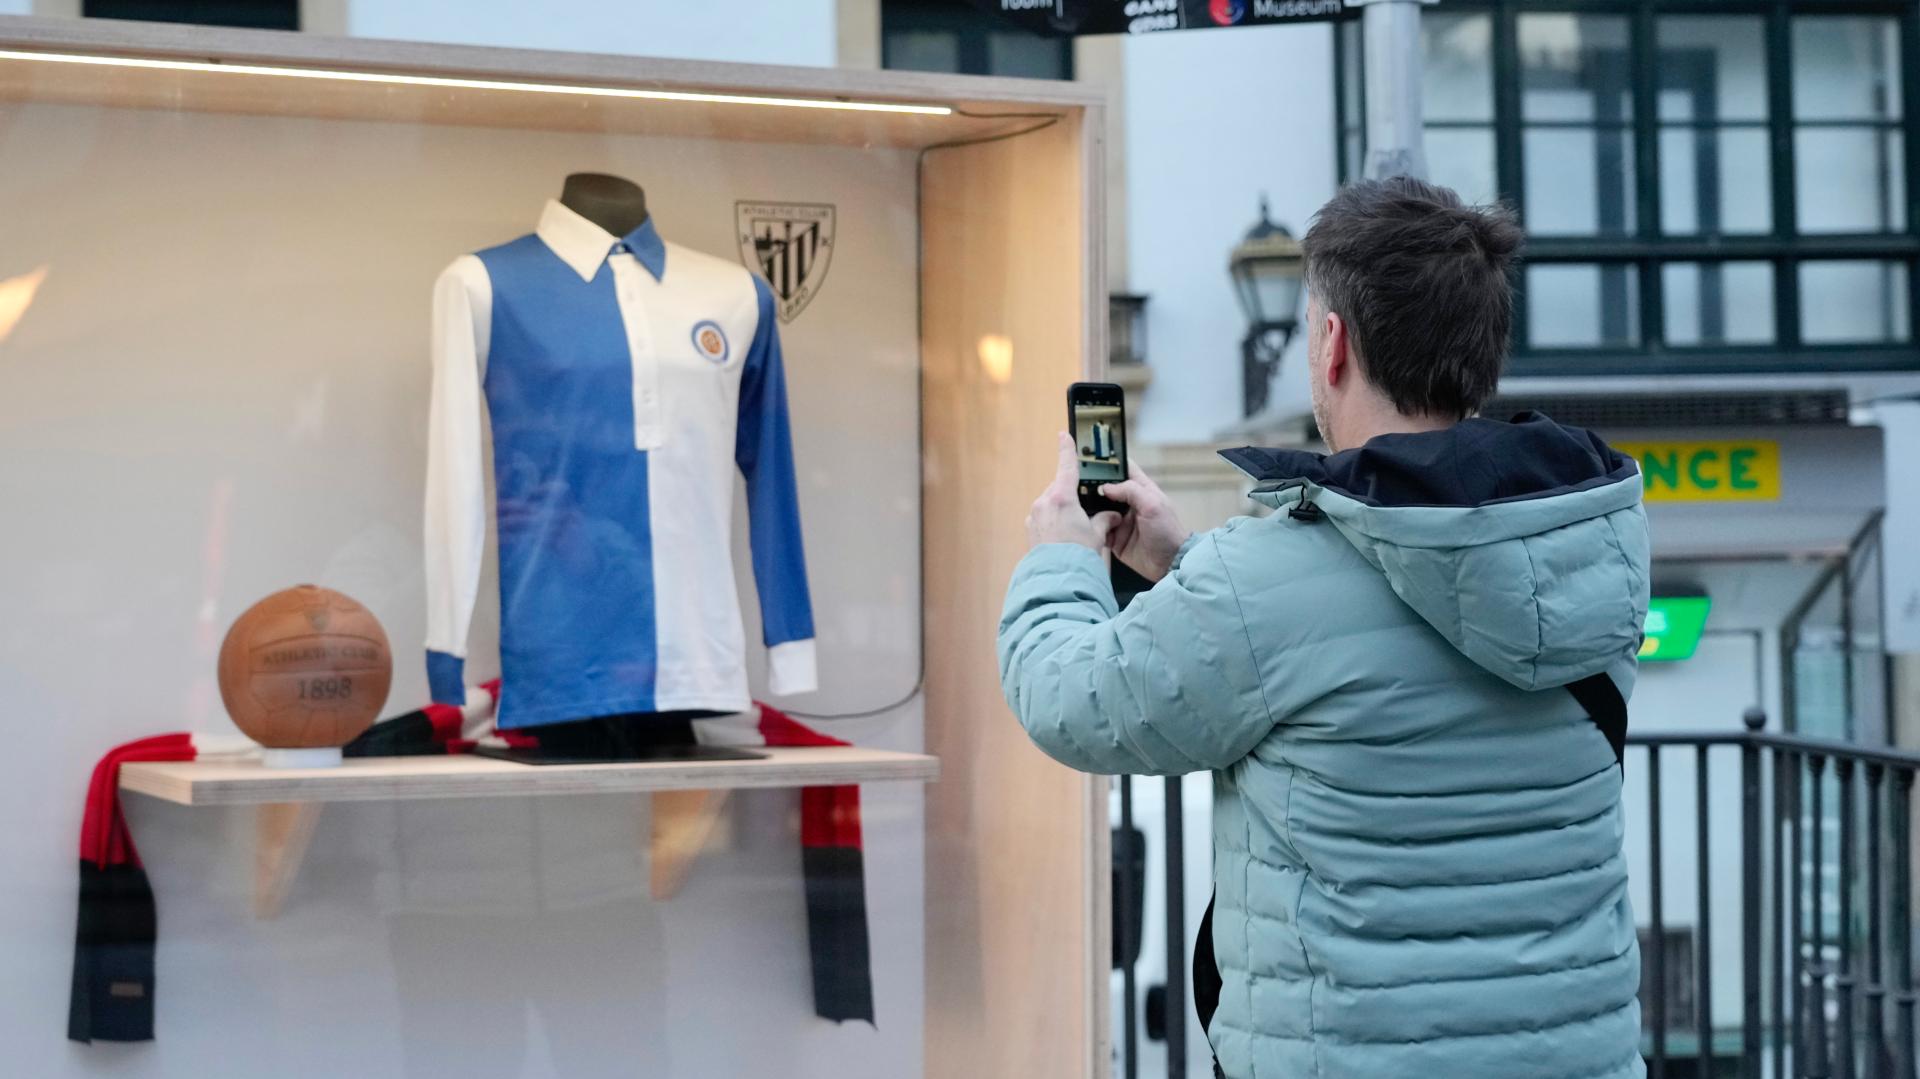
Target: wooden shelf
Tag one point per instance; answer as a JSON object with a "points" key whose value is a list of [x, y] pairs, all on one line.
{"points": [[687, 796], [201, 783]]}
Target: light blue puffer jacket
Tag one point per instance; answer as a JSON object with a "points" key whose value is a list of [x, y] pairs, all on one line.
{"points": [[1417, 833]]}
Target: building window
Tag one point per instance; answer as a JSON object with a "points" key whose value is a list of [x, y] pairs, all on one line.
{"points": [[954, 36], [1705, 187], [1459, 101], [1713, 119], [1847, 137], [1576, 125], [253, 14]]}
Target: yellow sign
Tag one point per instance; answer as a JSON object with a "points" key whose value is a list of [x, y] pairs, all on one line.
{"points": [[1739, 470]]}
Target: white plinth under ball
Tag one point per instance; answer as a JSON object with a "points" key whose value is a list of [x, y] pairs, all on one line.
{"points": [[328, 757]]}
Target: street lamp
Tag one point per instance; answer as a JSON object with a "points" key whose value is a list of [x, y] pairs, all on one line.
{"points": [[1268, 270]]}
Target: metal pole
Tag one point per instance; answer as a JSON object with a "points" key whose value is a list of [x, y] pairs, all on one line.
{"points": [[1846, 988], [1816, 984], [1901, 928], [1781, 1020], [1127, 854], [1797, 923], [1390, 32], [1752, 927], [1703, 944], [1876, 908], [1657, 1067], [1176, 932]]}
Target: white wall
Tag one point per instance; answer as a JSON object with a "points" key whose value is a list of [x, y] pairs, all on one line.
{"points": [[751, 31], [1101, 62], [858, 33], [1901, 421], [1213, 120]]}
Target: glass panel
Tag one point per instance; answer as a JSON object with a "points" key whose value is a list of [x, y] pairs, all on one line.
{"points": [[1579, 181], [1025, 56], [1868, 659], [1574, 67], [1820, 687], [923, 50], [1846, 68], [1353, 68], [1718, 303], [1354, 149], [1849, 179], [1712, 68], [263, 392], [1457, 53], [1853, 302], [1462, 158], [1583, 306], [1715, 180]]}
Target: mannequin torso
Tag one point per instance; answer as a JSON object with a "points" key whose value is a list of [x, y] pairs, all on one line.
{"points": [[615, 204]]}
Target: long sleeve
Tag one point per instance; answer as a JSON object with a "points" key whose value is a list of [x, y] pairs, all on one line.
{"points": [[763, 448], [1166, 687], [456, 527]]}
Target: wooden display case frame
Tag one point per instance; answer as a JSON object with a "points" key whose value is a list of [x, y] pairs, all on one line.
{"points": [[1013, 296]]}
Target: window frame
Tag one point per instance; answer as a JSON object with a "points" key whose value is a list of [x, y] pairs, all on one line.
{"points": [[1646, 250], [972, 30]]}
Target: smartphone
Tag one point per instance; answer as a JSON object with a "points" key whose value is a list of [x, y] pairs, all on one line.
{"points": [[1097, 419]]}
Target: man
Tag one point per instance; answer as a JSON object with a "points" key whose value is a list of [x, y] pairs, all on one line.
{"points": [[1417, 827]]}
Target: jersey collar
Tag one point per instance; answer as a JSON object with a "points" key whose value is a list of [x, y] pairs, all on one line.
{"points": [[583, 245]]}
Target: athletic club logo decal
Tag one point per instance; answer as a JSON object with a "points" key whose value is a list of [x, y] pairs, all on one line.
{"points": [[710, 340], [791, 245]]}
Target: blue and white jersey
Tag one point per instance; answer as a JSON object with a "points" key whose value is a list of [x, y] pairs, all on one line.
{"points": [[625, 379]]}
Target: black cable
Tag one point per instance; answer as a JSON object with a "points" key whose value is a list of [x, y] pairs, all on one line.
{"points": [[1046, 120]]}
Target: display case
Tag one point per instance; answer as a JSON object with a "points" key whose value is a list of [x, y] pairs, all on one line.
{"points": [[218, 255]]}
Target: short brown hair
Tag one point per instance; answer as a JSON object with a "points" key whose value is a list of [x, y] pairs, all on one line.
{"points": [[1423, 282]]}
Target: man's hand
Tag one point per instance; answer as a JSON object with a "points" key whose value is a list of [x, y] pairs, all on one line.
{"points": [[1150, 534], [1056, 516]]}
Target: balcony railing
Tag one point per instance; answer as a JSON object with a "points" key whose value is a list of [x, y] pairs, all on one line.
{"points": [[1824, 908], [1806, 907]]}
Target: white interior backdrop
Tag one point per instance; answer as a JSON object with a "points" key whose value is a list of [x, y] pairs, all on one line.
{"points": [[221, 391]]}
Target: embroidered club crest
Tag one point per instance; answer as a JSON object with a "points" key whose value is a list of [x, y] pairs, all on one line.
{"points": [[710, 340], [791, 245]]}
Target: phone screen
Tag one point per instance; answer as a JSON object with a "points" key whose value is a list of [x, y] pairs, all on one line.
{"points": [[1100, 435]]}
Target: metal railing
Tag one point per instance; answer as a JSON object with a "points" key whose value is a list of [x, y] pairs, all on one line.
{"points": [[1824, 914], [1822, 909]]}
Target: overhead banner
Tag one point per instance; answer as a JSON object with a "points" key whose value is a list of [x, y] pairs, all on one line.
{"points": [[1074, 18]]}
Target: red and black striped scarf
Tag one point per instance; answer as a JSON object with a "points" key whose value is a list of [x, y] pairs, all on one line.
{"points": [[114, 939]]}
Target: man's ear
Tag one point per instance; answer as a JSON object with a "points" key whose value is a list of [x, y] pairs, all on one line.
{"points": [[1339, 357]]}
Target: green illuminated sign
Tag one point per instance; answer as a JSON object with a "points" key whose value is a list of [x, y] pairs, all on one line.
{"points": [[1674, 625]]}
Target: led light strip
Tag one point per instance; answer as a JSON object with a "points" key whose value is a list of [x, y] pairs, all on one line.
{"points": [[472, 84]]}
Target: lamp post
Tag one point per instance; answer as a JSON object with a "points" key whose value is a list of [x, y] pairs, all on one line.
{"points": [[1268, 269]]}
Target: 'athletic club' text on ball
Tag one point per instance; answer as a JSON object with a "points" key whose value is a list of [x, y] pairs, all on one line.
{"points": [[307, 668]]}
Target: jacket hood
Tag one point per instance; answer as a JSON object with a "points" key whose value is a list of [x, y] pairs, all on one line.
{"points": [[1523, 543]]}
